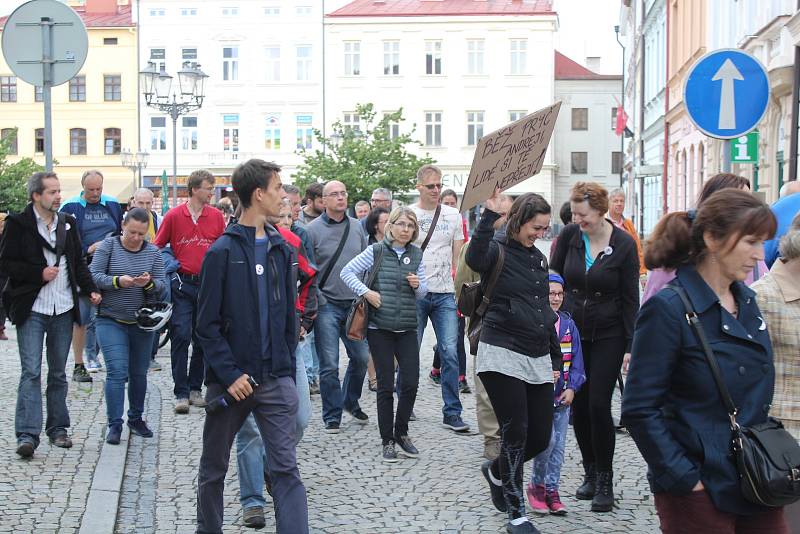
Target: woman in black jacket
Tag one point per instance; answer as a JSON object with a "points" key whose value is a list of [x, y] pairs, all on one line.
{"points": [[600, 265], [518, 352]]}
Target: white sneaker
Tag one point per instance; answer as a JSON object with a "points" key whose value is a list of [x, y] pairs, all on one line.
{"points": [[93, 366]]}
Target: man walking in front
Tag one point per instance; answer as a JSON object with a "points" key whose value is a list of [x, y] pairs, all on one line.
{"points": [[190, 229], [441, 236], [41, 254], [337, 239], [98, 216], [248, 328]]}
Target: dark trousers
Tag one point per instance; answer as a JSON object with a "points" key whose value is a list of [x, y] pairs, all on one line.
{"points": [[184, 314], [274, 406], [525, 414], [591, 412], [695, 514], [385, 346], [462, 352]]}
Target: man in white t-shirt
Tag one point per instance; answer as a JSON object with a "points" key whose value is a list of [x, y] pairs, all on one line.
{"points": [[440, 255]]}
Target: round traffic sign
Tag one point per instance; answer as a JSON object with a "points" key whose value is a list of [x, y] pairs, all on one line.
{"points": [[726, 93], [23, 43]]}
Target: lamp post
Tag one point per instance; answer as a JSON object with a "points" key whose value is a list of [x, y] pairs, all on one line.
{"points": [[135, 161], [157, 87]]}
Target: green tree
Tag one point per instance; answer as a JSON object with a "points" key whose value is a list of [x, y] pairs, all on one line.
{"points": [[14, 177], [363, 159]]}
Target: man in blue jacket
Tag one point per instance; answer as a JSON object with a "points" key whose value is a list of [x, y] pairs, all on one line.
{"points": [[247, 326]]}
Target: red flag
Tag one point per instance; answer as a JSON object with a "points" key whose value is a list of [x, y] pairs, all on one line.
{"points": [[622, 120]]}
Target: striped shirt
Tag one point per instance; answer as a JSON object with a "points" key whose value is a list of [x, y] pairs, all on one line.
{"points": [[55, 297], [111, 260]]}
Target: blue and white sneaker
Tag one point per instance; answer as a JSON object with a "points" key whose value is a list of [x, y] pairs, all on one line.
{"points": [[93, 365]]}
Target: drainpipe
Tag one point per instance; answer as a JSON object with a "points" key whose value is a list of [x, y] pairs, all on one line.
{"points": [[622, 105], [664, 189], [795, 110]]}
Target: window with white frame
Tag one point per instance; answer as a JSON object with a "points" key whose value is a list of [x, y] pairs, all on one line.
{"points": [[230, 132], [112, 141], [8, 88], [272, 132], [519, 56], [433, 57], [230, 11], [158, 133], [391, 58], [303, 11], [352, 58], [272, 11], [188, 54], [433, 128], [351, 121], [475, 48], [305, 131], [272, 63], [474, 127], [159, 57], [77, 141], [158, 12], [516, 115], [188, 133], [394, 127], [230, 63], [188, 12], [303, 55]]}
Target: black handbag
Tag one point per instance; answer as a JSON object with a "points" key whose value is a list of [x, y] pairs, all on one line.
{"points": [[473, 301], [767, 456]]}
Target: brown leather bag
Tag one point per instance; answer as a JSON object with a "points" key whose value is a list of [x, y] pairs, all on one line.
{"points": [[358, 316]]}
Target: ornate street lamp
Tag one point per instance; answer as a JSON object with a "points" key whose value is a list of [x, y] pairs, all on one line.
{"points": [[135, 161], [157, 90]]}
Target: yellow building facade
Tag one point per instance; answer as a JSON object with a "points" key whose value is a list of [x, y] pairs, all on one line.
{"points": [[94, 115]]}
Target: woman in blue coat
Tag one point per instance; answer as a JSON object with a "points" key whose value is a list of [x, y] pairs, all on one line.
{"points": [[671, 405]]}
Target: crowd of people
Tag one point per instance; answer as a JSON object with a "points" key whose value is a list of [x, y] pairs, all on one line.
{"points": [[258, 292]]}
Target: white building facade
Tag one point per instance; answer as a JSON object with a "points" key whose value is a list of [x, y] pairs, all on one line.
{"points": [[455, 75]]}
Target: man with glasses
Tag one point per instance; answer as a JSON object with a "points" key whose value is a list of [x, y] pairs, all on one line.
{"points": [[440, 255], [190, 229], [337, 240], [381, 198]]}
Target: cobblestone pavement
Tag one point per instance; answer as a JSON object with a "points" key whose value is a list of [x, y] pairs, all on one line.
{"points": [[349, 489]]}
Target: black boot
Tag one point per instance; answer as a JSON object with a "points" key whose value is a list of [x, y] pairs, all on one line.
{"points": [[585, 491], [604, 496]]}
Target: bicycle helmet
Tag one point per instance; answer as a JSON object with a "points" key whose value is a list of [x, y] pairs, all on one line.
{"points": [[153, 317]]}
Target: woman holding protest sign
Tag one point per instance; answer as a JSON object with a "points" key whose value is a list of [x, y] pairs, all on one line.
{"points": [[518, 351]]}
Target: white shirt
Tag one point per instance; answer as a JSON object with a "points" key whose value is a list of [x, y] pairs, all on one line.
{"points": [[55, 297], [438, 256]]}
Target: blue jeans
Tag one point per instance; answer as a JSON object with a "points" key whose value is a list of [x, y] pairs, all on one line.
{"points": [[126, 349], [329, 329], [441, 308], [181, 330], [251, 455], [547, 464], [30, 339], [308, 351], [88, 313]]}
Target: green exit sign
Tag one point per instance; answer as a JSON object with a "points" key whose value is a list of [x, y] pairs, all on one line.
{"points": [[744, 149]]}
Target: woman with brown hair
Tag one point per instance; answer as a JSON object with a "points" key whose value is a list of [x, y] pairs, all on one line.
{"points": [[672, 406], [600, 266]]}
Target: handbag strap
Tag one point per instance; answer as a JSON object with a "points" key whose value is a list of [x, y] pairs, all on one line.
{"points": [[694, 322], [376, 263], [432, 228], [336, 254], [498, 268]]}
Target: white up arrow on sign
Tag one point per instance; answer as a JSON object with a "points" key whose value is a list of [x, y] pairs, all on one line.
{"points": [[727, 105]]}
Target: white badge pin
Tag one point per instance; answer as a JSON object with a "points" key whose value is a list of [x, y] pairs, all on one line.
{"points": [[607, 251], [763, 324], [259, 269], [68, 226], [406, 261]]}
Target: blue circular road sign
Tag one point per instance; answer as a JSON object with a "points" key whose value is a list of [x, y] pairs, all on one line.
{"points": [[726, 93]]}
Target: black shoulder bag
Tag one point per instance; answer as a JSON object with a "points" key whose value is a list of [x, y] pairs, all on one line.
{"points": [[336, 255], [473, 301], [767, 456]]}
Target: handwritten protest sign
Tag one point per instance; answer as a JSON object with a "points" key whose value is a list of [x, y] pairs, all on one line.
{"points": [[509, 155]]}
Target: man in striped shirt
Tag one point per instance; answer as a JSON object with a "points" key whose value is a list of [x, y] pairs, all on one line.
{"points": [[42, 256]]}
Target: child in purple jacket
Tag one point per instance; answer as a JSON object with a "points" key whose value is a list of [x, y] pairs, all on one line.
{"points": [[543, 488]]}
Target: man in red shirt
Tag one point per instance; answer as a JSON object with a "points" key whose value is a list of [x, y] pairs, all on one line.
{"points": [[189, 229]]}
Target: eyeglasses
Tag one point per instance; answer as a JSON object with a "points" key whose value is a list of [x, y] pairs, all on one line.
{"points": [[337, 194], [404, 225], [559, 294], [431, 187], [375, 200]]}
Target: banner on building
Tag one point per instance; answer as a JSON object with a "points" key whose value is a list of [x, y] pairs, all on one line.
{"points": [[509, 155]]}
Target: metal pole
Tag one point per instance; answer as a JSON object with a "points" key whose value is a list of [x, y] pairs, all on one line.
{"points": [[795, 110], [47, 72], [726, 155], [174, 114]]}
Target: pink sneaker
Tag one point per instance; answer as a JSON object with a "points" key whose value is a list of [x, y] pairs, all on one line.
{"points": [[536, 498], [554, 503]]}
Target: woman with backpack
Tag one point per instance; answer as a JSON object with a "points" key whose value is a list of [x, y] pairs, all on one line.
{"points": [[518, 351]]}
